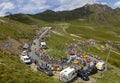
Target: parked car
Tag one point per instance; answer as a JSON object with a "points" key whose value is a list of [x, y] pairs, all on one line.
{"points": [[91, 70], [26, 47], [88, 60], [43, 45], [82, 74], [25, 59], [45, 69], [67, 74], [100, 65], [24, 53]]}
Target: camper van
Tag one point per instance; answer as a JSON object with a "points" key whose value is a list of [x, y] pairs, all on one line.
{"points": [[67, 75]]}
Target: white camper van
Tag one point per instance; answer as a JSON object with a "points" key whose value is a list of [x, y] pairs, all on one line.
{"points": [[67, 74]]}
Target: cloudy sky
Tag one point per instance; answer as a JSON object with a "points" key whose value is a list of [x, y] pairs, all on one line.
{"points": [[36, 6]]}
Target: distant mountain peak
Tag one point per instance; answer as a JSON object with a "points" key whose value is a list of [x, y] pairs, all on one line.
{"points": [[92, 12], [98, 7], [48, 11]]}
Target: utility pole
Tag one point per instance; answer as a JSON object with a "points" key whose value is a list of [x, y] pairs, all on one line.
{"points": [[106, 63], [9, 17]]}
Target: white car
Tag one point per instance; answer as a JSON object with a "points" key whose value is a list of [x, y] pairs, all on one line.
{"points": [[25, 59], [100, 65], [24, 53]]}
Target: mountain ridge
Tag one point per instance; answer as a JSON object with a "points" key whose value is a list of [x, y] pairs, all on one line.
{"points": [[95, 13]]}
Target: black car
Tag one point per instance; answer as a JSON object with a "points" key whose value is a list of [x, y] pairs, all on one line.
{"points": [[91, 70], [44, 46], [45, 70], [83, 75]]}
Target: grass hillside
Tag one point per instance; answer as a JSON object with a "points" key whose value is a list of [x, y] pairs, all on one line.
{"points": [[20, 26], [99, 32], [12, 70], [16, 30]]}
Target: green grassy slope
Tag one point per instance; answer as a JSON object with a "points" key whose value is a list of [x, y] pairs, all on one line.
{"points": [[12, 70], [57, 45], [21, 27], [100, 32], [16, 30], [110, 76]]}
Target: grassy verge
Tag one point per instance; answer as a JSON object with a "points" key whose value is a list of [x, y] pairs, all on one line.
{"points": [[114, 58], [57, 45], [17, 31], [14, 71], [90, 30], [110, 76]]}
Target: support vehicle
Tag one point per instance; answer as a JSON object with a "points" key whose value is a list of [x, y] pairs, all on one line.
{"points": [[91, 70], [25, 59], [67, 75], [45, 69], [83, 74], [100, 65]]}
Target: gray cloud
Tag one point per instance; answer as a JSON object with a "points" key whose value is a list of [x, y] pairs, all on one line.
{"points": [[5, 7], [35, 6], [72, 4]]}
